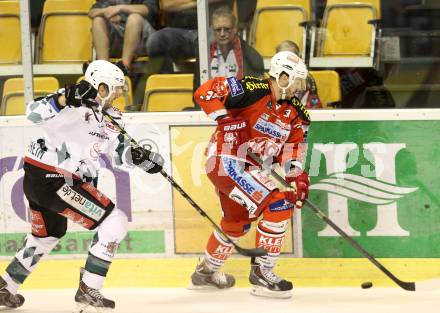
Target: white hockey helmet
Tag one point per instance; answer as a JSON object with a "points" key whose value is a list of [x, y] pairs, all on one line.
{"points": [[289, 63], [103, 72]]}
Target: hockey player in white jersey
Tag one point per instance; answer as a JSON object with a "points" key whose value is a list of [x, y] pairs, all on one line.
{"points": [[60, 180]]}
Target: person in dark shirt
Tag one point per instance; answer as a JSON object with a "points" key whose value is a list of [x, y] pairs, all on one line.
{"points": [[180, 38]]}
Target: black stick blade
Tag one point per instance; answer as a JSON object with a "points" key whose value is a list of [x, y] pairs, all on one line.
{"points": [[410, 286], [251, 252]]}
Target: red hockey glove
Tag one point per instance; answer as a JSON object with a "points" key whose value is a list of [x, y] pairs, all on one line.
{"points": [[291, 197], [232, 133], [302, 183]]}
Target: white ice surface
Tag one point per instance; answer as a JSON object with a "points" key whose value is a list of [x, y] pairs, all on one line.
{"points": [[238, 300]]}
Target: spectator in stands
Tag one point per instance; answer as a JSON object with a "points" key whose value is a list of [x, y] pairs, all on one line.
{"points": [[229, 55], [309, 95], [364, 88], [179, 38], [121, 28]]}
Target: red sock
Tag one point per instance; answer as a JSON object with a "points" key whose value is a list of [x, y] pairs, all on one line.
{"points": [[269, 240], [217, 251]]}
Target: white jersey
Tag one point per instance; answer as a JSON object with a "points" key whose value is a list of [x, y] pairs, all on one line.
{"points": [[224, 67], [74, 137]]}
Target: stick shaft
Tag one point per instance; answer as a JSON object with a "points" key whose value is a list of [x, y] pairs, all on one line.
{"points": [[405, 285], [243, 251]]}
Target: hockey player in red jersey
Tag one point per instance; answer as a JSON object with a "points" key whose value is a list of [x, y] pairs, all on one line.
{"points": [[265, 117], [60, 176]]}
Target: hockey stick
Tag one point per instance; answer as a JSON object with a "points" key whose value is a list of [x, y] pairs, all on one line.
{"points": [[246, 252], [411, 286]]}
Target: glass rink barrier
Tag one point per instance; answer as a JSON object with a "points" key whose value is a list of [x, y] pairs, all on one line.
{"points": [[373, 173]]}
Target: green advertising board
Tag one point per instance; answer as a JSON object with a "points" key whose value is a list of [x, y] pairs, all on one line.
{"points": [[377, 180], [151, 241]]}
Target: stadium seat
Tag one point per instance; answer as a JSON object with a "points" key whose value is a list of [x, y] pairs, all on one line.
{"points": [[278, 20], [346, 36], [65, 32], [168, 92], [13, 93], [87, 3], [329, 87], [10, 35], [126, 100]]}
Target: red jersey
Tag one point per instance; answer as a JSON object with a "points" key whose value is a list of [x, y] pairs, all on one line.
{"points": [[277, 130]]}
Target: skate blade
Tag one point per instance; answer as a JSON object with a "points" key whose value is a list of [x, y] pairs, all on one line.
{"points": [[260, 291], [80, 308], [204, 287], [87, 308]]}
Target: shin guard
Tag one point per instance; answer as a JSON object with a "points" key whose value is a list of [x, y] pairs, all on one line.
{"points": [[26, 259], [103, 248], [270, 236], [217, 251]]}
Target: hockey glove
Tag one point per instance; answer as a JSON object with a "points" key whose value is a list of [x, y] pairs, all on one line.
{"points": [[291, 197], [148, 160], [81, 94], [232, 133], [302, 183]]}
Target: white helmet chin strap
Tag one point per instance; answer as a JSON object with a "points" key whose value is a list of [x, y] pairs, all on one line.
{"points": [[105, 99], [283, 93], [284, 89]]}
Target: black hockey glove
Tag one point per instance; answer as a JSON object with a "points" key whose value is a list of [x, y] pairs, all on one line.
{"points": [[148, 160], [81, 94]]}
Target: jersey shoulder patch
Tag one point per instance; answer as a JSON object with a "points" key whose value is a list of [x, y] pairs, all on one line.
{"points": [[247, 91], [255, 85], [301, 109], [235, 87]]}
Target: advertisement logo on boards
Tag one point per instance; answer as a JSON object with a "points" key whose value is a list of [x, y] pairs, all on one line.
{"points": [[376, 185]]}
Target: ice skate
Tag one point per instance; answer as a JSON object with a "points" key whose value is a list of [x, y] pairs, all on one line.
{"points": [[8, 299], [204, 278], [265, 283], [87, 298]]}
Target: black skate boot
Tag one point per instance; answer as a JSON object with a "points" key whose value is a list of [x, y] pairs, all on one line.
{"points": [[203, 278], [265, 283], [86, 296], [8, 299]]}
